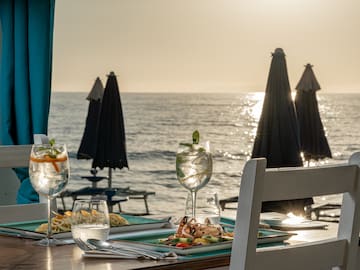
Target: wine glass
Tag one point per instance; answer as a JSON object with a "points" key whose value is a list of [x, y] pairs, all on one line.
{"points": [[193, 168], [49, 174], [90, 220]]}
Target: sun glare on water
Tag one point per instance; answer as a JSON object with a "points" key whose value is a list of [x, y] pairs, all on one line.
{"points": [[256, 103], [258, 99]]}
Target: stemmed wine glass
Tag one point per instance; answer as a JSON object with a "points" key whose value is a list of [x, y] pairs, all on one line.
{"points": [[193, 168], [49, 174]]}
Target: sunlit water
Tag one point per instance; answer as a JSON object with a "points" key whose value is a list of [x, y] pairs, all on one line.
{"points": [[156, 123]]}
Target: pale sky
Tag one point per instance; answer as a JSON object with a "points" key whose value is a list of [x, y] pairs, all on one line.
{"points": [[204, 45]]}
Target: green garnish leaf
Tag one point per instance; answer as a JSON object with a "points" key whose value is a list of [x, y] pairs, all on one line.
{"points": [[186, 144], [196, 137], [51, 151], [180, 173], [52, 142]]}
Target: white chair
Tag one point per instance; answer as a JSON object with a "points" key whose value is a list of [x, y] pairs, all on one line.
{"points": [[15, 156], [260, 184], [23, 212], [12, 156]]}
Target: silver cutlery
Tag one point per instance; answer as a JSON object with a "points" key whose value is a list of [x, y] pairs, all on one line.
{"points": [[92, 249], [104, 245], [81, 244]]}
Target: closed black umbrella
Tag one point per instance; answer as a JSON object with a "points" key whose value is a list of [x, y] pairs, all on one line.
{"points": [[314, 144], [277, 137], [89, 139], [111, 146]]}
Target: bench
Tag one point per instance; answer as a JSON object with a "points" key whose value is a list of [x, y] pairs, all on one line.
{"points": [[114, 196], [137, 195], [326, 212], [223, 203]]}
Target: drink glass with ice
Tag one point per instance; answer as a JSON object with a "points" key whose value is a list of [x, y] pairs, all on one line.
{"points": [[49, 171], [90, 220], [193, 168]]}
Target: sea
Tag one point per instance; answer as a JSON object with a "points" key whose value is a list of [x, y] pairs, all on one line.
{"points": [[155, 123]]}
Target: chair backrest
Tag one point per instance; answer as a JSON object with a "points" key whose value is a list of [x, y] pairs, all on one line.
{"points": [[14, 156], [260, 184], [23, 212]]}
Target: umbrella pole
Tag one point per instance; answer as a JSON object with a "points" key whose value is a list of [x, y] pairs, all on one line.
{"points": [[109, 198], [109, 177]]}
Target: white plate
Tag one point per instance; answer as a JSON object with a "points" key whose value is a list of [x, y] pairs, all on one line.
{"points": [[275, 220]]}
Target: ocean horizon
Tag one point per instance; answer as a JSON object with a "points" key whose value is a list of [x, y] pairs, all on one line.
{"points": [[156, 122]]}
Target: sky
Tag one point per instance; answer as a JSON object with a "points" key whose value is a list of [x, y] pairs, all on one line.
{"points": [[204, 45]]}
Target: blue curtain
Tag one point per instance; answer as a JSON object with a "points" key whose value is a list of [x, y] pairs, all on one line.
{"points": [[25, 76]]}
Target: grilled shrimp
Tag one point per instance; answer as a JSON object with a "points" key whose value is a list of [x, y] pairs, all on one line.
{"points": [[189, 228]]}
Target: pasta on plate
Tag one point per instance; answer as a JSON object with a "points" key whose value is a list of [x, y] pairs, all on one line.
{"points": [[62, 223]]}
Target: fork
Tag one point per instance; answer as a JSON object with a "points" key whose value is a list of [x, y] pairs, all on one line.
{"points": [[131, 252], [152, 253], [81, 244], [87, 247]]}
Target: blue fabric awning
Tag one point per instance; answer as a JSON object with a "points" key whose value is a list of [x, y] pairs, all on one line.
{"points": [[25, 76]]}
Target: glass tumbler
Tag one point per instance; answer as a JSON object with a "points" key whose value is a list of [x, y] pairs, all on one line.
{"points": [[207, 207], [90, 220]]}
